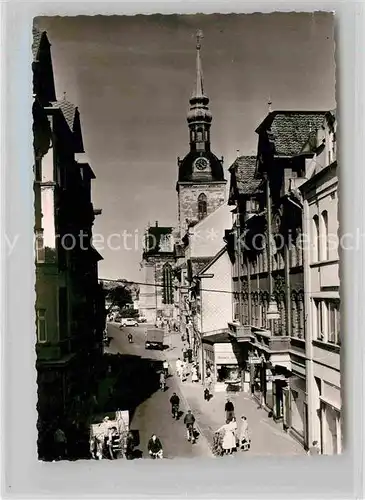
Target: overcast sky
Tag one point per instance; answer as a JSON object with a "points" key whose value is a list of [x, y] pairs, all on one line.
{"points": [[132, 78]]}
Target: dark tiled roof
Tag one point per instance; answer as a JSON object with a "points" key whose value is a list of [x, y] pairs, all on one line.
{"points": [[243, 169], [186, 167], [68, 110], [290, 130], [37, 37]]}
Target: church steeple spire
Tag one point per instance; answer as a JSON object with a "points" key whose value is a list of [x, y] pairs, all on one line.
{"points": [[199, 90], [199, 117]]}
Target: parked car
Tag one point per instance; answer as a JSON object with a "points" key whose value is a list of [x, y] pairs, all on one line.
{"points": [[154, 339], [128, 322]]}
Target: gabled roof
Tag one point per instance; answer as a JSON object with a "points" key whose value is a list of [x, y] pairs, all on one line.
{"points": [[72, 117], [243, 180], [37, 38], [68, 110], [289, 130], [199, 263], [213, 260]]}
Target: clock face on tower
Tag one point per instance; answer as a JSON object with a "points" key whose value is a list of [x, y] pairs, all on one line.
{"points": [[201, 163]]}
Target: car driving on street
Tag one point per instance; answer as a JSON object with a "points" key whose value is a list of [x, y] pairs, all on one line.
{"points": [[128, 322]]}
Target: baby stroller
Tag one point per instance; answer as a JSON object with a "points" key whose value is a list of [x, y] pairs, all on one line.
{"points": [[217, 444], [245, 444]]}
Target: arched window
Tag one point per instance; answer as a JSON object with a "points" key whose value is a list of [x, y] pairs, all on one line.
{"points": [[324, 236], [199, 135], [202, 206], [168, 293], [316, 242]]}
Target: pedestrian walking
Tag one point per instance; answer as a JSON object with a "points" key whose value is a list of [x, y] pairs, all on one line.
{"points": [[194, 374], [60, 442], [235, 430], [229, 409], [183, 371], [206, 394], [185, 353], [129, 446], [209, 383], [229, 439], [162, 381], [314, 449], [178, 367], [166, 367], [244, 437]]}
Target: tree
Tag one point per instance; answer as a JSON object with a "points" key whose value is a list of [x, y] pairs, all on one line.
{"points": [[129, 312], [119, 296]]}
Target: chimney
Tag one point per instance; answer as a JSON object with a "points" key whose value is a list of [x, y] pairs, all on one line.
{"points": [[156, 223]]}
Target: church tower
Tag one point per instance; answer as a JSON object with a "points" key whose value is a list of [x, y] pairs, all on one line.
{"points": [[201, 186]]}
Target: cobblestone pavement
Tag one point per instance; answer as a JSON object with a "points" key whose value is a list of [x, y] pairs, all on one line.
{"points": [[153, 414], [267, 437]]}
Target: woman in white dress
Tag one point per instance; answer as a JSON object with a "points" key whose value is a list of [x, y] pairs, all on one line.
{"points": [[194, 374], [229, 438]]}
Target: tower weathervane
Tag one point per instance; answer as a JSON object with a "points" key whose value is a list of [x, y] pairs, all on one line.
{"points": [[199, 37]]}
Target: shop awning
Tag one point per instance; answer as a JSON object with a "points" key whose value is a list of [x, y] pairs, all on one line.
{"points": [[217, 337]]}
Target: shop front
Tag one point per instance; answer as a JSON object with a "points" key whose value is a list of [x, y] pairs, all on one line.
{"points": [[208, 350], [224, 360], [330, 429], [257, 366], [279, 384], [330, 419], [269, 385], [297, 395]]}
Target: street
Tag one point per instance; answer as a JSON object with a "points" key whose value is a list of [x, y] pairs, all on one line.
{"points": [[149, 407]]}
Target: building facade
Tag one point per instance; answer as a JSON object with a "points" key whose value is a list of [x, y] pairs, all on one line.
{"points": [[268, 274], [156, 295], [322, 280], [70, 309], [202, 244]]}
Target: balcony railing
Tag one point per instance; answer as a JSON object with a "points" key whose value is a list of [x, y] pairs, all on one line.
{"points": [[269, 342], [241, 333]]}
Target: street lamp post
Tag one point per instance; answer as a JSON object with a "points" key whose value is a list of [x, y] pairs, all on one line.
{"points": [[272, 312]]}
